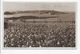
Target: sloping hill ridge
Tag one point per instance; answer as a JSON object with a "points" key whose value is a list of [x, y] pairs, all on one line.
{"points": [[34, 11], [42, 14]]}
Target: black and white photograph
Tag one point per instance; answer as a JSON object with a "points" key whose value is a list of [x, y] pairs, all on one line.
{"points": [[39, 24]]}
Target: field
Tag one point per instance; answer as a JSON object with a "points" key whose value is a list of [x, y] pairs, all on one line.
{"points": [[46, 33]]}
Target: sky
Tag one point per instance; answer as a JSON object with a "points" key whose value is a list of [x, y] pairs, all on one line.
{"points": [[24, 6]]}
